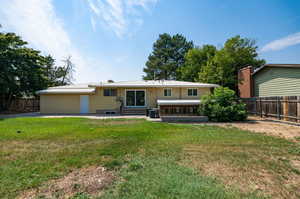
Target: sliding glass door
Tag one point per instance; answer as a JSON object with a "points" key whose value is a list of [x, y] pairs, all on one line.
{"points": [[135, 98]]}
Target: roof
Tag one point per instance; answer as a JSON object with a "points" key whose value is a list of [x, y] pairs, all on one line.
{"points": [[153, 83], [178, 102], [90, 88], [69, 89], [276, 65]]}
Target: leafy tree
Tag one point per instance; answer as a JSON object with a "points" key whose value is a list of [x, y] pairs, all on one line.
{"points": [[223, 68], [223, 106], [195, 59], [24, 70], [21, 68], [167, 57]]}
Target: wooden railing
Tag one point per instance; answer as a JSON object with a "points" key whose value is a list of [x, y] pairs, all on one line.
{"points": [[282, 108], [188, 110]]}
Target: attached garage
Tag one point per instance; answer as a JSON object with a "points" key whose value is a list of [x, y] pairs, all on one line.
{"points": [[65, 100]]}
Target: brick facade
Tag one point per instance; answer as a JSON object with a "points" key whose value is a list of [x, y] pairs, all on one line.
{"points": [[245, 85]]}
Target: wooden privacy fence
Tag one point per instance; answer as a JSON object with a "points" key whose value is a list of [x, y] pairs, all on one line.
{"points": [[282, 108], [25, 105]]}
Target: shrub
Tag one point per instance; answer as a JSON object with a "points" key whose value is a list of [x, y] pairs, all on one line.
{"points": [[223, 106]]}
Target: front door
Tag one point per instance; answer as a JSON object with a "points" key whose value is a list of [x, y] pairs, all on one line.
{"points": [[135, 98]]}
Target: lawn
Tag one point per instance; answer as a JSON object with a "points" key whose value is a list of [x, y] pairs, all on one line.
{"points": [[149, 160]]}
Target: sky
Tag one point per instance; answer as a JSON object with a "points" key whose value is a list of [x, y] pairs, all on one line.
{"points": [[112, 39]]}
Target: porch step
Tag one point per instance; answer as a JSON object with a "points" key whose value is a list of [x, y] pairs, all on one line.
{"points": [[134, 111]]}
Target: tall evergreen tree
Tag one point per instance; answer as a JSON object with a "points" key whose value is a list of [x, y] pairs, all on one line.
{"points": [[167, 57]]}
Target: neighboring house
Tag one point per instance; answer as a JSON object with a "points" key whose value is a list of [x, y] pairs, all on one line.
{"points": [[128, 97], [270, 80]]}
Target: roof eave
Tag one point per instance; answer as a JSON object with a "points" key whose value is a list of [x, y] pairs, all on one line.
{"points": [[276, 66], [156, 86]]}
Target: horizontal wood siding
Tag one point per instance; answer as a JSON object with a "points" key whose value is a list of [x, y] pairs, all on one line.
{"points": [[59, 103], [100, 102], [277, 82]]}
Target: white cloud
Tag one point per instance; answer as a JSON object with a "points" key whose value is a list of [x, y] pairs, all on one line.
{"points": [[142, 3], [282, 43], [118, 15], [37, 23]]}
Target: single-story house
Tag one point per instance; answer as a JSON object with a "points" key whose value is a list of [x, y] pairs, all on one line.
{"points": [[270, 80], [126, 97]]}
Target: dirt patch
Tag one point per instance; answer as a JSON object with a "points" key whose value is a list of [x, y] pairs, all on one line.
{"points": [[248, 177], [287, 131], [91, 180], [110, 122], [254, 180]]}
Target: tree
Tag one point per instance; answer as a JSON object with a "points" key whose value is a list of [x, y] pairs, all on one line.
{"points": [[23, 70], [223, 106], [167, 57], [223, 68], [195, 59], [67, 71]]}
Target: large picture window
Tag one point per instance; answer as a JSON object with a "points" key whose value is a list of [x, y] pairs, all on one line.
{"points": [[192, 92], [110, 92], [135, 98]]}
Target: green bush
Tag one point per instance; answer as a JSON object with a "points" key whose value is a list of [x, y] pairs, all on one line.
{"points": [[223, 106]]}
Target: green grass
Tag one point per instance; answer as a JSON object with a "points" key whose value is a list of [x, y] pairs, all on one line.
{"points": [[151, 160]]}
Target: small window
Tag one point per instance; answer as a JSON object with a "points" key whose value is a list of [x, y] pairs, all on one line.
{"points": [[192, 92], [110, 92], [168, 92]]}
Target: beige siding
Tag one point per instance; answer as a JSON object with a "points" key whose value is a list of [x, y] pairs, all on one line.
{"points": [[277, 82], [59, 104], [200, 92], [97, 102]]}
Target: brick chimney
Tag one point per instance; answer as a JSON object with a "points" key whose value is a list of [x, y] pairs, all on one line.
{"points": [[245, 84]]}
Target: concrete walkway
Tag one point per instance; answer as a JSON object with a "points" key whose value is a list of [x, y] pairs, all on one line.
{"points": [[89, 116]]}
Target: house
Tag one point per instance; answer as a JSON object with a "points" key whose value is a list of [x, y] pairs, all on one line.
{"points": [[127, 97], [270, 80]]}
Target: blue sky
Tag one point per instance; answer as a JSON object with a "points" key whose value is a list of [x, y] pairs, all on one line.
{"points": [[111, 39]]}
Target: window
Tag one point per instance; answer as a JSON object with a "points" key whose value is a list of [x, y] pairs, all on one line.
{"points": [[192, 92], [167, 92], [110, 92]]}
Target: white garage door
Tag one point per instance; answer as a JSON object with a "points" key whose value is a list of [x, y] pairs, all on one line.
{"points": [[84, 104]]}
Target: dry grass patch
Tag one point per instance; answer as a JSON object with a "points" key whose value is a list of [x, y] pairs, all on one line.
{"points": [[112, 122], [253, 171], [257, 125], [91, 180]]}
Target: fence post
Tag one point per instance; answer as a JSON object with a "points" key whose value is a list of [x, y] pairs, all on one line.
{"points": [[298, 109], [278, 107], [260, 107], [285, 108]]}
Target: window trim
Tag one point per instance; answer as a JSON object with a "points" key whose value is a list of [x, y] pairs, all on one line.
{"points": [[192, 92], [170, 92]]}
